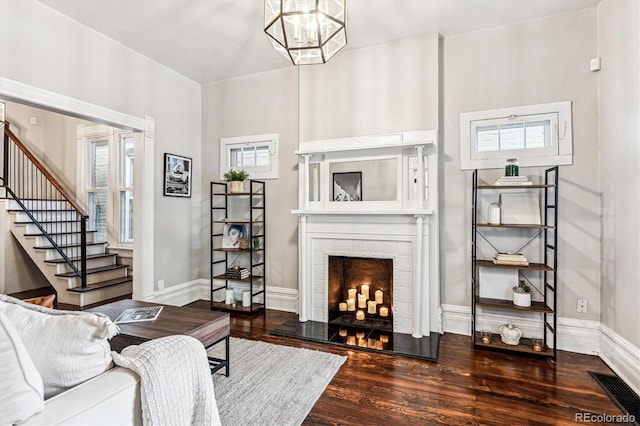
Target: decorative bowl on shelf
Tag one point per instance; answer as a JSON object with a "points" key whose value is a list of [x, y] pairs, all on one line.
{"points": [[510, 334]]}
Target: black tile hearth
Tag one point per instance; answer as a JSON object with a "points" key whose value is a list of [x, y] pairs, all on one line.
{"points": [[425, 348]]}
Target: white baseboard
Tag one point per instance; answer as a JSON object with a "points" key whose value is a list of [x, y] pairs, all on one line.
{"points": [[621, 356], [278, 298], [282, 299], [181, 294], [580, 336]]}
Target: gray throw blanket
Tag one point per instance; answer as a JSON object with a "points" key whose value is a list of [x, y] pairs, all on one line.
{"points": [[175, 381]]}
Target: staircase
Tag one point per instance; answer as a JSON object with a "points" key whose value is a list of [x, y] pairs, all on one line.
{"points": [[51, 227]]}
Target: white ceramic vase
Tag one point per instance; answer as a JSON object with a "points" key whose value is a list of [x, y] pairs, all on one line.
{"points": [[522, 299]]}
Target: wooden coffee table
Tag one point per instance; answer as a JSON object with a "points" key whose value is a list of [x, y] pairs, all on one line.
{"points": [[209, 327]]}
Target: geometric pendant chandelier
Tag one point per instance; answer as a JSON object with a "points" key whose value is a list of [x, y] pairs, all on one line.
{"points": [[306, 31]]}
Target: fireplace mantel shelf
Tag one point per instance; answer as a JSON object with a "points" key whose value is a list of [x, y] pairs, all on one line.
{"points": [[365, 213]]}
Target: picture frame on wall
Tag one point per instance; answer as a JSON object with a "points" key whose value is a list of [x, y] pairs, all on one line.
{"points": [[177, 176], [347, 186]]}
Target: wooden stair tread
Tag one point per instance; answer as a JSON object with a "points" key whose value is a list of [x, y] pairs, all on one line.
{"points": [[30, 222], [39, 234], [95, 243], [40, 210], [74, 259], [93, 270], [99, 285]]}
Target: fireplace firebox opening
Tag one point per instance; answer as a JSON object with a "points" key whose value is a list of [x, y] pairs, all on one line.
{"points": [[360, 292]]}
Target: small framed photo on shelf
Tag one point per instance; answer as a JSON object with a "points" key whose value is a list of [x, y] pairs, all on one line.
{"points": [[347, 186], [233, 234], [177, 176]]}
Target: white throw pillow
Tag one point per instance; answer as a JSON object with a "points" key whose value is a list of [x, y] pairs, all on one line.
{"points": [[20, 383], [67, 347]]}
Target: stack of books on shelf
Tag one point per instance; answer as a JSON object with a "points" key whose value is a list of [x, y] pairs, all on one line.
{"points": [[510, 259], [237, 274], [514, 180]]}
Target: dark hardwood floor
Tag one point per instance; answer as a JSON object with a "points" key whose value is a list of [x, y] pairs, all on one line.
{"points": [[465, 386]]}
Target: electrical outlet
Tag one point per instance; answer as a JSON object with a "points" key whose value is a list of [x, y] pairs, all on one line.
{"points": [[160, 285], [581, 306]]}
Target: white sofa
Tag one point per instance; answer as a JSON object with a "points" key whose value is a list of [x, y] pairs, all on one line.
{"points": [[57, 368], [112, 398]]}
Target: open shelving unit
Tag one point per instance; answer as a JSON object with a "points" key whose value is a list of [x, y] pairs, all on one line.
{"points": [[546, 267], [253, 257]]}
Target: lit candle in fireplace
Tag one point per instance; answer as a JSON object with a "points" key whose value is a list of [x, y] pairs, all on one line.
{"points": [[362, 301], [360, 335], [372, 306], [384, 338], [384, 311], [351, 304], [364, 289], [360, 315], [352, 293], [343, 332], [378, 296], [342, 307], [351, 340]]}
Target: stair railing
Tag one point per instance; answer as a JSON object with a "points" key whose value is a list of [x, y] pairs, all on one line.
{"points": [[47, 204]]}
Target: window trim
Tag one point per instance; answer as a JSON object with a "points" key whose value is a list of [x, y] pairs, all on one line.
{"points": [[87, 135], [562, 137], [255, 172]]}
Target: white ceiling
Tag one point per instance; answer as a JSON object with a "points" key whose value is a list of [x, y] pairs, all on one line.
{"points": [[211, 40]]}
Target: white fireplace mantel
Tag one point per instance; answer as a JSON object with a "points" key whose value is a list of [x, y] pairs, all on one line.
{"points": [[402, 226]]}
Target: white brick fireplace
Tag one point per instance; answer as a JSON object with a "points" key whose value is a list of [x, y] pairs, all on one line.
{"points": [[404, 229]]}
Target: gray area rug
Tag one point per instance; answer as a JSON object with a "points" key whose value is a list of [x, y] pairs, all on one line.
{"points": [[271, 384]]}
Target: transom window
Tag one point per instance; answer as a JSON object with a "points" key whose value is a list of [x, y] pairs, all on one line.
{"points": [[257, 154], [538, 135]]}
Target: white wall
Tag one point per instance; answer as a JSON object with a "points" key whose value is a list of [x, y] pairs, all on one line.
{"points": [[535, 61], [376, 90], [619, 48], [257, 104], [43, 48]]}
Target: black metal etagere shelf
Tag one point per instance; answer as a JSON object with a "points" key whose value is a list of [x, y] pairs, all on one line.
{"points": [[253, 256], [548, 231]]}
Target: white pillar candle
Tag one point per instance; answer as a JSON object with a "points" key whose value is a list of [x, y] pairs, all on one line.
{"points": [[343, 332], [351, 304], [342, 307], [351, 340], [362, 343], [371, 307], [362, 301], [360, 315], [384, 338], [378, 296], [364, 289], [352, 293], [360, 335], [371, 343], [228, 299], [246, 298], [384, 311], [379, 345]]}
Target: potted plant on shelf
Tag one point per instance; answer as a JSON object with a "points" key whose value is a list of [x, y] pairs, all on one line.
{"points": [[522, 294], [235, 179]]}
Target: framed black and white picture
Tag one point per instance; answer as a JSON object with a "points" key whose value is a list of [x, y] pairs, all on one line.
{"points": [[347, 186], [177, 175]]}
